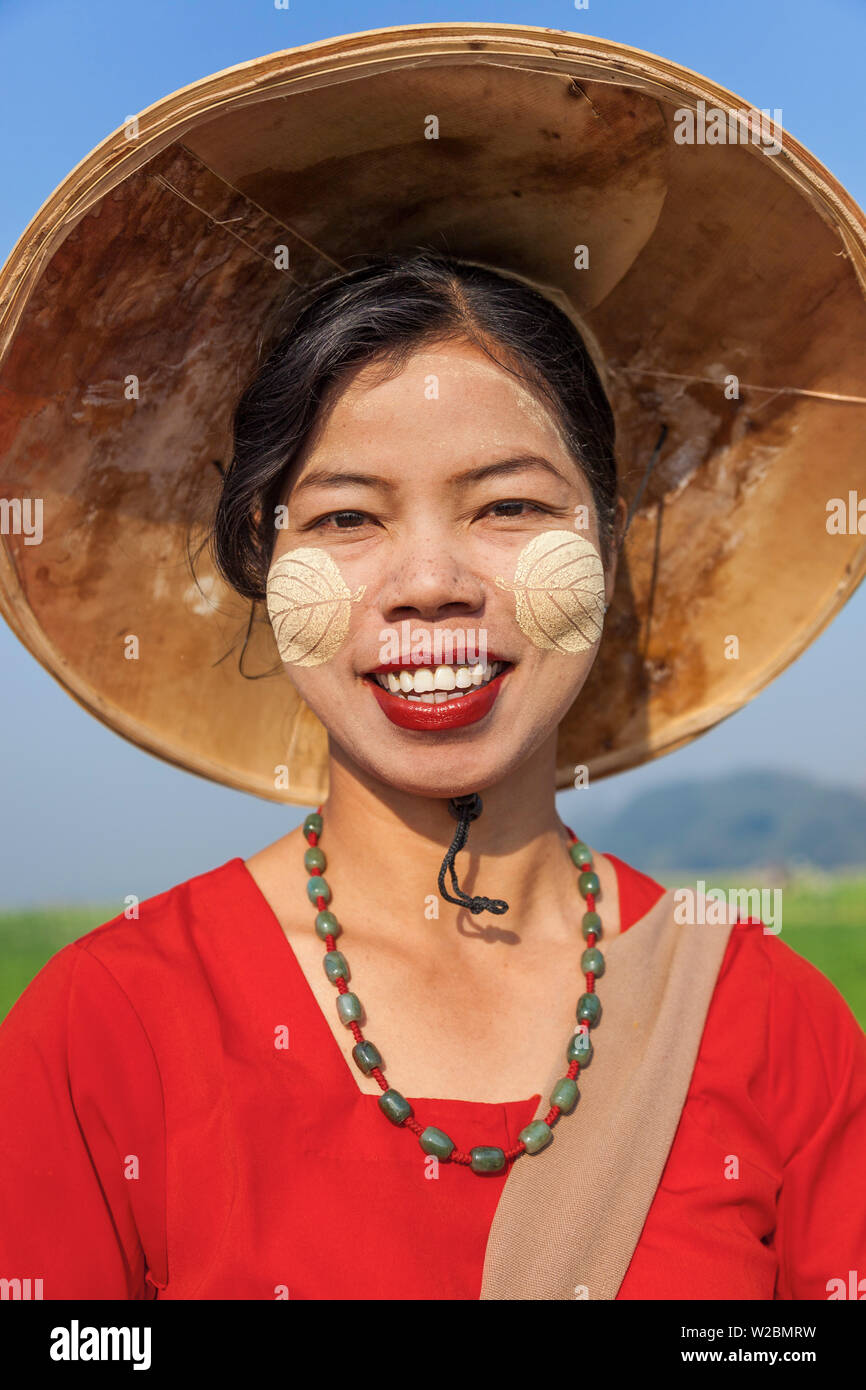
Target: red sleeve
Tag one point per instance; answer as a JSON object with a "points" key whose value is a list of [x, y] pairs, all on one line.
{"points": [[818, 1062], [82, 1142]]}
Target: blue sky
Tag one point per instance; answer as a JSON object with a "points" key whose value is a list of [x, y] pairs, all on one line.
{"points": [[87, 817]]}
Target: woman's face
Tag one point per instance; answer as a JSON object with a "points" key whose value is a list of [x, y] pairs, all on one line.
{"points": [[423, 490]]}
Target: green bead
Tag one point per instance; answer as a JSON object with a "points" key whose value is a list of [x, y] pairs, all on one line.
{"points": [[535, 1136], [486, 1159], [327, 924], [592, 962], [564, 1094], [581, 854], [313, 859], [313, 823], [336, 967], [348, 1007], [366, 1055], [318, 888], [588, 883], [395, 1106], [591, 922], [436, 1141], [579, 1049], [589, 1009]]}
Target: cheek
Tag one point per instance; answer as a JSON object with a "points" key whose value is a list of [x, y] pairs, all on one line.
{"points": [[309, 605], [558, 586]]}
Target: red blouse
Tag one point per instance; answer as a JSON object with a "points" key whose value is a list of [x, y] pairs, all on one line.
{"points": [[158, 1142]]}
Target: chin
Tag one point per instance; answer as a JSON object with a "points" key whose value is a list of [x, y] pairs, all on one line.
{"points": [[434, 771]]}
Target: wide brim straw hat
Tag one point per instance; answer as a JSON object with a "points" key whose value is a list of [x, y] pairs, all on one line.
{"points": [[723, 301]]}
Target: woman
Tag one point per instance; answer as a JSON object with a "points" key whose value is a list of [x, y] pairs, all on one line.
{"points": [[526, 1069], [420, 424]]}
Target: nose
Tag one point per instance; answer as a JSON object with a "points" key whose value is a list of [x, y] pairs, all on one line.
{"points": [[430, 578]]}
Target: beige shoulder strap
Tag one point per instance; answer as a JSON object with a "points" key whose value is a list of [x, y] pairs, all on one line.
{"points": [[569, 1217]]}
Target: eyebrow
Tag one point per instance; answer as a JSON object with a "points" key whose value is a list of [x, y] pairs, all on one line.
{"points": [[326, 477]]}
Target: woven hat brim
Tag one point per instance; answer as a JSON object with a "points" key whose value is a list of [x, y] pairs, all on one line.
{"points": [[155, 260]]}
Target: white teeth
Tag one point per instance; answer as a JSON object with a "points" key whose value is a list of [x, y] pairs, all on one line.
{"points": [[445, 678], [435, 685]]}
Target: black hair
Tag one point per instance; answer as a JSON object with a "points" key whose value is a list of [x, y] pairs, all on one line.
{"points": [[382, 311]]}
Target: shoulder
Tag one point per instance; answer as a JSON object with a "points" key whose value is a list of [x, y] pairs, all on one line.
{"points": [[778, 1034], [797, 994], [807, 1006], [153, 949], [780, 1023], [171, 924]]}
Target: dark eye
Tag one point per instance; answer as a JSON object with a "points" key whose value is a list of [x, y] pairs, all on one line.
{"points": [[514, 502], [345, 521]]}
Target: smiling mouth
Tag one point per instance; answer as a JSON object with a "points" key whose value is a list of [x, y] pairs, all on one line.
{"points": [[437, 685], [420, 702]]}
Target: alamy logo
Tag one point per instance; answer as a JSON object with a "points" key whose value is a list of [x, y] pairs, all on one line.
{"points": [[21, 1288], [22, 516], [717, 125], [855, 1288], [76, 1343]]}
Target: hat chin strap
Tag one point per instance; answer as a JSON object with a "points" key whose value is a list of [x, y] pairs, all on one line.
{"points": [[465, 809]]}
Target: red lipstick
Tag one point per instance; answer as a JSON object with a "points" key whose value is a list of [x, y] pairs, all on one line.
{"points": [[450, 714]]}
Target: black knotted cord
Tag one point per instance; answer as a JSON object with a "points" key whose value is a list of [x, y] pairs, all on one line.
{"points": [[465, 809]]}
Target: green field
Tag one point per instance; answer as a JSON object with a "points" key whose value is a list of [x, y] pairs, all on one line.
{"points": [[825, 922], [29, 937]]}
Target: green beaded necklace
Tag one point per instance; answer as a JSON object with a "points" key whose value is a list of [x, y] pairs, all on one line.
{"points": [[483, 1158]]}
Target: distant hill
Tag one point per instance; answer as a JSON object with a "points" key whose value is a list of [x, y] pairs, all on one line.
{"points": [[744, 819]]}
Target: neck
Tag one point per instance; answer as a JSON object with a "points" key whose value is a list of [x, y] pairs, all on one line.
{"points": [[385, 848]]}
